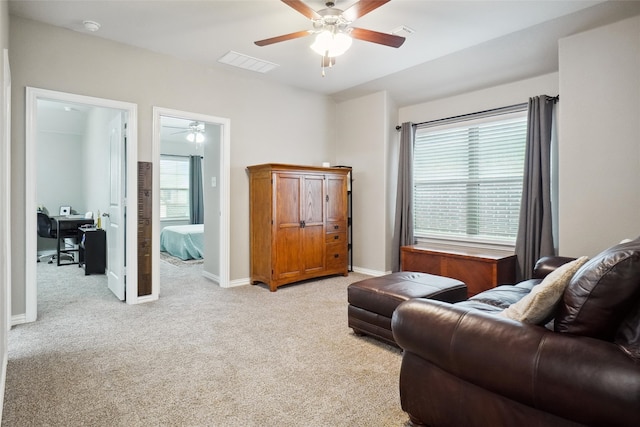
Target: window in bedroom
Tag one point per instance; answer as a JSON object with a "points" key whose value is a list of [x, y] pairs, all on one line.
{"points": [[174, 187], [468, 174]]}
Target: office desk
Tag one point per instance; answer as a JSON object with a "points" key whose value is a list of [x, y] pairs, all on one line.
{"points": [[66, 228]]}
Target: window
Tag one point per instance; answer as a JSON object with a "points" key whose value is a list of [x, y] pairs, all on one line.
{"points": [[468, 178], [174, 187]]}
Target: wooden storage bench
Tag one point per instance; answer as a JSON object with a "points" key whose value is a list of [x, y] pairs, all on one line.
{"points": [[480, 269]]}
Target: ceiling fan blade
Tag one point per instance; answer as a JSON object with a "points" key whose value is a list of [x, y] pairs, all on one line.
{"points": [[302, 8], [282, 38], [362, 8], [174, 127], [375, 37]]}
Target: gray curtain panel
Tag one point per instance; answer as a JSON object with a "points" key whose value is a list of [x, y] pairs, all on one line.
{"points": [[403, 232], [196, 201], [535, 235]]}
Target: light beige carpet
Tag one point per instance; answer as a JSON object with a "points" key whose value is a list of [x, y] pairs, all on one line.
{"points": [[164, 256], [200, 356]]}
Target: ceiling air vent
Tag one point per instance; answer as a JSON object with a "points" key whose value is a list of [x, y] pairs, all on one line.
{"points": [[247, 62]]}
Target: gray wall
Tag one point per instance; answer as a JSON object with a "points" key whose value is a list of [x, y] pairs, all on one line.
{"points": [[600, 137], [269, 122], [4, 206], [362, 143]]}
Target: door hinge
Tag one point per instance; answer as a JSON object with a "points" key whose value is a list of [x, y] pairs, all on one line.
{"points": [[327, 197]]}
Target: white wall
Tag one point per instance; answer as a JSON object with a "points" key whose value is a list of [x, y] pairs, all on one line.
{"points": [[599, 149], [60, 171], [270, 122], [95, 167], [60, 180], [212, 206]]}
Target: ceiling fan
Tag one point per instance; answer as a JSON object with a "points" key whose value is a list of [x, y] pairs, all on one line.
{"points": [[334, 30], [195, 131]]}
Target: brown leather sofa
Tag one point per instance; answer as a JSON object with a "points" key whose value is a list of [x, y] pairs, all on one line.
{"points": [[464, 365]]}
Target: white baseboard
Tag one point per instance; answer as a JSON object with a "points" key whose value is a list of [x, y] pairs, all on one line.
{"points": [[18, 319], [3, 379], [210, 276], [238, 282], [232, 283], [246, 281], [146, 298], [368, 272]]}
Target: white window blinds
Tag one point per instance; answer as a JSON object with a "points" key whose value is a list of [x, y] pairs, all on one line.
{"points": [[468, 178], [174, 187]]}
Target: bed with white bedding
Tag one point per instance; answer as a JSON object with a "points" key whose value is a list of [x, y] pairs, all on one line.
{"points": [[183, 241]]}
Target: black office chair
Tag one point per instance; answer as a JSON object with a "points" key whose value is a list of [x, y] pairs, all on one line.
{"points": [[48, 231]]}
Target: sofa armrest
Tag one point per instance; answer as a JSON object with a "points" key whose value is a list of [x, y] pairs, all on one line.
{"points": [[547, 264], [577, 378]]}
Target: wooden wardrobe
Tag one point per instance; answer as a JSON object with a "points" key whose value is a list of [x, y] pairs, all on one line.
{"points": [[298, 223]]}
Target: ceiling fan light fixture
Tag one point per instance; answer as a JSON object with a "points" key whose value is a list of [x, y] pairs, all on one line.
{"points": [[328, 43], [196, 137]]}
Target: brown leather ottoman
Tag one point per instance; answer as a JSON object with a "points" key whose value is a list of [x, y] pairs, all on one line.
{"points": [[372, 301]]}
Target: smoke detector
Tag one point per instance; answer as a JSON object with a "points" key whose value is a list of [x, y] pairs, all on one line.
{"points": [[92, 26]]}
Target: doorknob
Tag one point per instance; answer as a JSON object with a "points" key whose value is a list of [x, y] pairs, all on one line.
{"points": [[105, 215]]}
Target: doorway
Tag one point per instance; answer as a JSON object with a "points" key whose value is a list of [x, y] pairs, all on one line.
{"points": [[214, 149], [129, 113]]}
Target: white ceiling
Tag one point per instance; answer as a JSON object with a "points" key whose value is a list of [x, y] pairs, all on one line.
{"points": [[457, 45]]}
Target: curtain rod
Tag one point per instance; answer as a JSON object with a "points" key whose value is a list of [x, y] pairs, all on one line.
{"points": [[553, 99]]}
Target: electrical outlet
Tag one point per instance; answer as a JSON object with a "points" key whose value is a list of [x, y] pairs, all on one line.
{"points": [[213, 181]]}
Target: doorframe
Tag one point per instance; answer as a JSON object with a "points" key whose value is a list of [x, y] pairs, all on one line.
{"points": [[5, 198], [31, 242], [225, 185]]}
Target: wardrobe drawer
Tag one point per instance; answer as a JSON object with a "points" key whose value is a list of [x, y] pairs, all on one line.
{"points": [[336, 256], [336, 226], [336, 237]]}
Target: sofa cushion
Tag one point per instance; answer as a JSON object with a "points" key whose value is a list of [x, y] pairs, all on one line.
{"points": [[602, 293], [497, 299], [538, 306]]}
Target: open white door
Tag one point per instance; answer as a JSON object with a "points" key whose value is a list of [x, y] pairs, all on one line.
{"points": [[115, 217]]}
